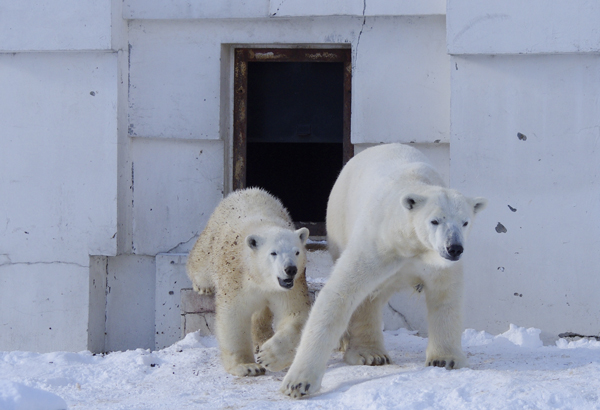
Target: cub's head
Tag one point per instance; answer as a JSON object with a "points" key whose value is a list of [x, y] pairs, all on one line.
{"points": [[442, 219], [279, 254]]}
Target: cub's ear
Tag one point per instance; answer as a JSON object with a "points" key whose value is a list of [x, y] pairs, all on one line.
{"points": [[303, 235], [413, 201], [254, 241], [479, 204]]}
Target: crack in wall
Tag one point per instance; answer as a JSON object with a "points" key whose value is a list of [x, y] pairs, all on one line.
{"points": [[9, 262], [182, 243], [362, 27]]}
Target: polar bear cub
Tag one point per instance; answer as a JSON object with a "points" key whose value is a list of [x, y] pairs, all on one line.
{"points": [[254, 262], [391, 224]]}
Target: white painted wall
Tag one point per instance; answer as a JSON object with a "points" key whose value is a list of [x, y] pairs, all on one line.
{"points": [[176, 96], [543, 271], [51, 25], [174, 67], [117, 120], [130, 288], [525, 127], [401, 82], [523, 27], [58, 160], [176, 186], [58, 165], [241, 9]]}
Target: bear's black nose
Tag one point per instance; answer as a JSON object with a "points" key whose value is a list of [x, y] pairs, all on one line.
{"points": [[455, 250], [291, 270]]}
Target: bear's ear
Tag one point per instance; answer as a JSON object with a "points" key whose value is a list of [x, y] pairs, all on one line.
{"points": [[479, 204], [254, 241], [413, 201], [303, 235]]}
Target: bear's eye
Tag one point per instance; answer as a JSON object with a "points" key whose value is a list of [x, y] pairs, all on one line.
{"points": [[273, 253], [434, 222], [465, 224], [297, 253]]}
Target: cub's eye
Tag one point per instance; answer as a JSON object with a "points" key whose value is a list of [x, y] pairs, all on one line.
{"points": [[434, 222], [465, 224], [297, 253], [273, 253]]}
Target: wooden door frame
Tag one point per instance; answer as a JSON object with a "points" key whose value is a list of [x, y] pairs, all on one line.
{"points": [[240, 99]]}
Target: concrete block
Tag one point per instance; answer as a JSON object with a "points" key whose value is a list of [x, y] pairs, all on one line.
{"points": [[401, 89], [192, 302], [203, 322], [97, 303], [313, 8], [130, 292], [44, 306], [32, 25], [197, 9], [170, 279], [59, 156], [401, 85], [171, 204], [525, 132], [517, 27]]}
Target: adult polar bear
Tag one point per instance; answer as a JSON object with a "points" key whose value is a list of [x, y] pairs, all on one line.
{"points": [[391, 224]]}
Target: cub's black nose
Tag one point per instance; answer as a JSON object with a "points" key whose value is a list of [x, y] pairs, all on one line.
{"points": [[291, 270], [455, 250]]}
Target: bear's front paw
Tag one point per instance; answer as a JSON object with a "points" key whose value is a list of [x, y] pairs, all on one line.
{"points": [[273, 357], [299, 384], [247, 369], [447, 361], [366, 356]]}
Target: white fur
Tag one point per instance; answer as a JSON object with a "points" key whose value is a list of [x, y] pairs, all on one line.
{"points": [[242, 255], [391, 224]]}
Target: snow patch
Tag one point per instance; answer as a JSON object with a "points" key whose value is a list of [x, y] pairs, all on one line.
{"points": [[510, 371], [528, 338], [577, 344], [17, 396], [519, 336]]}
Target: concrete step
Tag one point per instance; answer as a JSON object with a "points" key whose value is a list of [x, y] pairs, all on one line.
{"points": [[198, 311]]}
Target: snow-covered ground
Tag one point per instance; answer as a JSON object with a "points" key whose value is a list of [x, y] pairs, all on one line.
{"points": [[509, 371]]}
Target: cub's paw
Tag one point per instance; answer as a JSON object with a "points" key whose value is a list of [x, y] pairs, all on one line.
{"points": [[447, 361], [203, 290], [366, 356], [273, 357], [299, 384], [247, 369]]}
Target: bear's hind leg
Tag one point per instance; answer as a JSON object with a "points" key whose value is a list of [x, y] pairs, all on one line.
{"points": [[365, 337]]}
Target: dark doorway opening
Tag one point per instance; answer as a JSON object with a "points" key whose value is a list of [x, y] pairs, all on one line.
{"points": [[292, 126]]}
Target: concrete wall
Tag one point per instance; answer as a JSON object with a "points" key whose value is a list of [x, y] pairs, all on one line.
{"points": [[180, 106], [525, 128], [116, 148], [58, 187]]}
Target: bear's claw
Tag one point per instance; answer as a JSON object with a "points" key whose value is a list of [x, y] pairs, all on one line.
{"points": [[448, 364], [298, 390], [248, 369], [367, 357], [273, 359]]}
